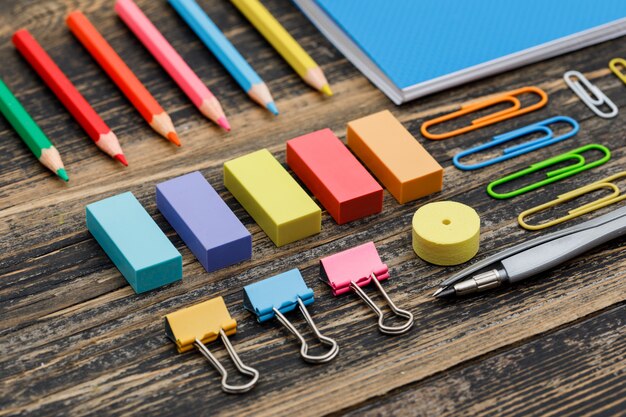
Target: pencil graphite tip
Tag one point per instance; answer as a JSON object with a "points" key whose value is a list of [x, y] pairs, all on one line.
{"points": [[173, 137], [223, 122], [326, 90], [63, 174], [120, 157], [271, 106]]}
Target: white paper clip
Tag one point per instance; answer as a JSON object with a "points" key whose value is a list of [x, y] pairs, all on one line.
{"points": [[589, 94]]}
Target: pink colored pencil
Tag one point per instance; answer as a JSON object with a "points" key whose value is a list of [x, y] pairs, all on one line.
{"points": [[171, 61]]}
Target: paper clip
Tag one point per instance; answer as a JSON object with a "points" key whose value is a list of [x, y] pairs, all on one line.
{"points": [[202, 323], [614, 66], [552, 176], [605, 183], [521, 149], [355, 268], [280, 294], [589, 94], [508, 113]]}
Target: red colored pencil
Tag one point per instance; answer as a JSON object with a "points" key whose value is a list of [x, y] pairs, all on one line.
{"points": [[121, 75], [71, 98]]}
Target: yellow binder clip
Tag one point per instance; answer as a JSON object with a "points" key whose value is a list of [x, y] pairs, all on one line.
{"points": [[203, 323], [607, 183], [615, 65], [514, 110]]}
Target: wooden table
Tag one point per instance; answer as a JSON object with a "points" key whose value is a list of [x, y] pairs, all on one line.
{"points": [[76, 340]]}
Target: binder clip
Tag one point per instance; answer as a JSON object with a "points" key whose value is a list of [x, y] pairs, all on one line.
{"points": [[355, 268], [607, 183], [579, 165], [589, 94], [614, 65], [514, 110], [202, 323], [521, 149], [280, 294]]}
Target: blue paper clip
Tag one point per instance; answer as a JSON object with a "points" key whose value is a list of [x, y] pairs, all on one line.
{"points": [[523, 148], [280, 294], [580, 164]]}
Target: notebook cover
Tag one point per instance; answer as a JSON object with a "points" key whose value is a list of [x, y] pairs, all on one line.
{"points": [[413, 41]]}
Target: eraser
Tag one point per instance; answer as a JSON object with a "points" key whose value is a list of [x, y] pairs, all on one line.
{"points": [[356, 265], [272, 197], [134, 242], [395, 157], [205, 223], [334, 176]]}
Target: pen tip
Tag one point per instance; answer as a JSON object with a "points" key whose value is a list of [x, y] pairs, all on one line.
{"points": [[445, 292], [223, 122], [326, 90], [271, 106], [120, 157], [173, 137]]}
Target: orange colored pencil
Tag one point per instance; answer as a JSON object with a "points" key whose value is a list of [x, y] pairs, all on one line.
{"points": [[122, 76]]}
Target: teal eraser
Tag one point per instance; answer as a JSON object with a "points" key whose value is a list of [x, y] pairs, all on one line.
{"points": [[134, 242]]}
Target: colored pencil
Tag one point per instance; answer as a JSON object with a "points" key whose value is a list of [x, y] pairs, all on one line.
{"points": [[225, 52], [284, 43], [30, 132], [171, 61], [67, 93], [122, 76]]}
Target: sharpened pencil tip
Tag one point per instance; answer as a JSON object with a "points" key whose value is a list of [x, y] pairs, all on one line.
{"points": [[436, 293], [223, 122], [326, 90], [120, 157], [63, 174], [271, 106], [173, 137]]}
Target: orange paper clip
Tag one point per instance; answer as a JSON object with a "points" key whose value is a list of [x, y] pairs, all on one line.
{"points": [[514, 110], [607, 183]]}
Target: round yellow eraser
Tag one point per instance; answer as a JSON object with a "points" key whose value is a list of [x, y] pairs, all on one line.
{"points": [[446, 233]]}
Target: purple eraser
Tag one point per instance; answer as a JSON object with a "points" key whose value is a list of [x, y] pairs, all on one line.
{"points": [[205, 223]]}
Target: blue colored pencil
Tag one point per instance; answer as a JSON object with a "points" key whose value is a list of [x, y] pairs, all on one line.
{"points": [[225, 52]]}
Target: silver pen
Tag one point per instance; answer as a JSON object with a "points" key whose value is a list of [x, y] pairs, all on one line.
{"points": [[535, 256]]}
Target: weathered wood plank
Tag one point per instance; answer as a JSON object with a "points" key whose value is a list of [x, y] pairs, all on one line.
{"points": [[76, 340], [549, 376]]}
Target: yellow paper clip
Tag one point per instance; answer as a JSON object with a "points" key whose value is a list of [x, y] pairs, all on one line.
{"points": [[605, 183], [514, 110], [614, 65], [203, 323]]}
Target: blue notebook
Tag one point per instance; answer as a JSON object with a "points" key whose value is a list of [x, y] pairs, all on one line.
{"points": [[410, 48]]}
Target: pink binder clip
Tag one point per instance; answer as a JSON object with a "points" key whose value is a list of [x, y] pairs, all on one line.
{"points": [[355, 268]]}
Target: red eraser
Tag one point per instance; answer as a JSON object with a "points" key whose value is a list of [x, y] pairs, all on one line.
{"points": [[336, 178]]}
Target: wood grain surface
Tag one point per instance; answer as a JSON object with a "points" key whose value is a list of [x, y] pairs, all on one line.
{"points": [[76, 340]]}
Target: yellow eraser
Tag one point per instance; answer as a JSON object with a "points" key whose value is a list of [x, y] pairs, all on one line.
{"points": [[272, 197], [446, 233], [201, 321], [395, 157]]}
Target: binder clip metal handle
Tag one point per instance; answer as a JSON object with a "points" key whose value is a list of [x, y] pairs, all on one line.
{"points": [[241, 367], [397, 311], [304, 347]]}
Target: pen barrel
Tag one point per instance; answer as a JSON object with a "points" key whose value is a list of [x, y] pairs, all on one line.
{"points": [[553, 253]]}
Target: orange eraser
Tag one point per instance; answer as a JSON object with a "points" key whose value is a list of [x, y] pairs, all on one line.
{"points": [[395, 157]]}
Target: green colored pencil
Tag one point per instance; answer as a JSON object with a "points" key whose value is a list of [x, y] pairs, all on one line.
{"points": [[30, 132]]}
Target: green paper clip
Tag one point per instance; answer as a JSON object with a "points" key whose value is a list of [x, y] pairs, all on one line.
{"points": [[552, 176]]}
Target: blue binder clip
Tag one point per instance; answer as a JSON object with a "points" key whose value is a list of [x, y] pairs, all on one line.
{"points": [[280, 294], [513, 151]]}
